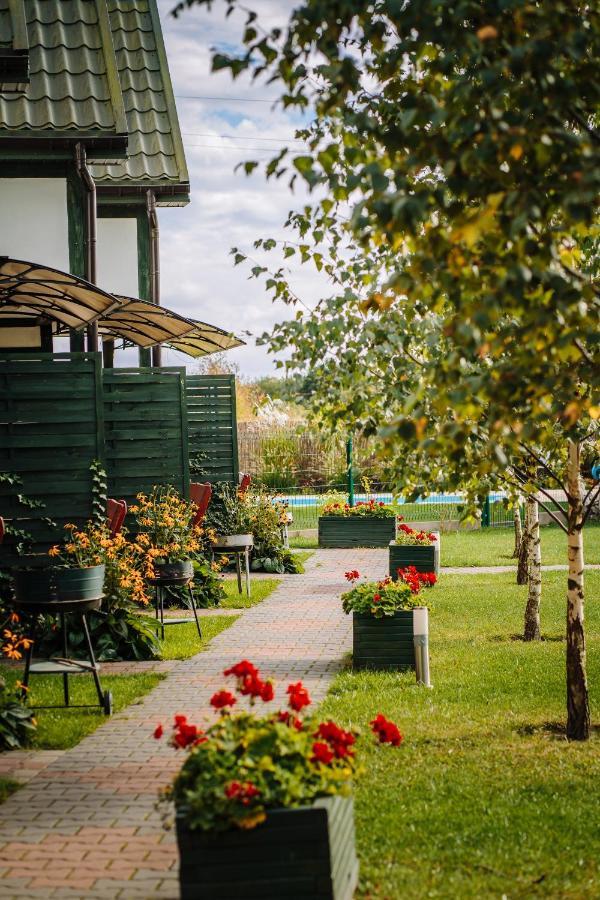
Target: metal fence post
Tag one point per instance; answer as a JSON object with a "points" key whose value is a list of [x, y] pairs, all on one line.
{"points": [[486, 517], [349, 472]]}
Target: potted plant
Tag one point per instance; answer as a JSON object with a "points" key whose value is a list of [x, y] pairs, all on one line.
{"points": [[367, 524], [77, 573], [412, 547], [166, 529], [382, 621], [263, 804], [229, 517]]}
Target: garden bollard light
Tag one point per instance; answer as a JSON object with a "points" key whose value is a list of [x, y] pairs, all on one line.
{"points": [[421, 641]]}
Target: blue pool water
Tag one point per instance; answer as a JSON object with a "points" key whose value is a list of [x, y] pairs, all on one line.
{"points": [[314, 499]]}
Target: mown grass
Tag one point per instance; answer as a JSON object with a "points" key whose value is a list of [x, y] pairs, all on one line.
{"points": [[59, 729], [485, 798], [260, 588], [494, 546]]}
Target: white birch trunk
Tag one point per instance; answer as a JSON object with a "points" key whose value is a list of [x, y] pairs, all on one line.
{"points": [[518, 528], [534, 595], [578, 709], [523, 564]]}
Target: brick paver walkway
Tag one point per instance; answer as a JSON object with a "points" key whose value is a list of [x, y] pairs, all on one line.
{"points": [[86, 825]]}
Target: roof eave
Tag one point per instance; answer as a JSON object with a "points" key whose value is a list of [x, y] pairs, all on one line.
{"points": [[166, 194], [24, 144]]}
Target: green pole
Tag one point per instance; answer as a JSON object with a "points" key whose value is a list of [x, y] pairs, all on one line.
{"points": [[349, 472], [486, 513]]}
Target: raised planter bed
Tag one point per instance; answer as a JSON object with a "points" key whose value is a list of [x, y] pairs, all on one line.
{"points": [[356, 531], [423, 558], [296, 853], [385, 643]]}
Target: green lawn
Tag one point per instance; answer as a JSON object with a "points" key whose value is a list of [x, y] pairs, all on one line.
{"points": [[260, 588], [485, 798], [494, 546], [59, 729]]}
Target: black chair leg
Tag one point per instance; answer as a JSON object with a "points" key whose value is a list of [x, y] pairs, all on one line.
{"points": [[193, 602], [92, 659], [65, 677]]}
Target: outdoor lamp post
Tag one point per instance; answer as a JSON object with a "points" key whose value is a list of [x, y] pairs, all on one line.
{"points": [[421, 641]]}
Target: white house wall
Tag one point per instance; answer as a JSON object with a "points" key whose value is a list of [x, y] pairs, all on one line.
{"points": [[117, 256], [33, 220]]}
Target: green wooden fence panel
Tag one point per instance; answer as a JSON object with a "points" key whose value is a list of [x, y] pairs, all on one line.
{"points": [[212, 423], [51, 430], [146, 430]]}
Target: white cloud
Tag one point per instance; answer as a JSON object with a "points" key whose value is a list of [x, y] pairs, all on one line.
{"points": [[227, 209]]}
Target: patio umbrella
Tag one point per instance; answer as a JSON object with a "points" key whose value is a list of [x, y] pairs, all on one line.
{"points": [[31, 291]]}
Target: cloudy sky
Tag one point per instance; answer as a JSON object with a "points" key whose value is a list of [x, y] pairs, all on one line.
{"points": [[224, 123]]}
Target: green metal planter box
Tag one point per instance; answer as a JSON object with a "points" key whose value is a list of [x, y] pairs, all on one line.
{"points": [[356, 531], [424, 559], [385, 643], [296, 854]]}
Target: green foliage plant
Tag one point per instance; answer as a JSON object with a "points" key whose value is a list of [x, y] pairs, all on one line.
{"points": [[362, 509], [17, 722], [245, 764], [379, 598]]}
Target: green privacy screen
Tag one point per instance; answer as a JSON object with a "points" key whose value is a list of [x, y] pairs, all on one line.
{"points": [[51, 430], [146, 430], [212, 424]]}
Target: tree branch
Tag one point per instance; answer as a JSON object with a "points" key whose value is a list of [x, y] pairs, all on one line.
{"points": [[587, 512], [544, 506], [544, 466]]}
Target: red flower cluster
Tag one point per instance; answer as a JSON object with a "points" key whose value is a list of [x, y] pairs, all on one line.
{"points": [[244, 793], [299, 696], [419, 535], [289, 719], [250, 684], [337, 739], [222, 699], [416, 580], [184, 734], [386, 731], [321, 753], [352, 575]]}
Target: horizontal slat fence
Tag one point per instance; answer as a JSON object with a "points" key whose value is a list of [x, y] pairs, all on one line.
{"points": [[145, 430], [212, 424], [51, 430]]}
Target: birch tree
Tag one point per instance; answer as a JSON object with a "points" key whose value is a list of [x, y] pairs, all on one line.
{"points": [[531, 631], [460, 139]]}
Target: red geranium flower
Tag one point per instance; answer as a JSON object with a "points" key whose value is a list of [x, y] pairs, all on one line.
{"points": [[299, 696], [185, 734], [289, 719], [321, 753], [386, 731], [158, 732], [242, 792], [267, 693], [242, 669], [352, 575], [376, 598], [339, 740], [222, 699]]}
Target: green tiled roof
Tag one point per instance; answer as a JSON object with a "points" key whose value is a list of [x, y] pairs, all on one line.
{"points": [[14, 46], [74, 85], [155, 151]]}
